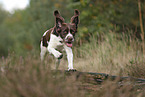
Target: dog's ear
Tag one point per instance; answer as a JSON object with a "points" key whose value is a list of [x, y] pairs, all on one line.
{"points": [[58, 20], [75, 18]]}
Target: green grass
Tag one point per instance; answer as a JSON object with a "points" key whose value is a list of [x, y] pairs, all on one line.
{"points": [[112, 53]]}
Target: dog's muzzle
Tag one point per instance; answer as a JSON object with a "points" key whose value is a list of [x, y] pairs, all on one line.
{"points": [[68, 41]]}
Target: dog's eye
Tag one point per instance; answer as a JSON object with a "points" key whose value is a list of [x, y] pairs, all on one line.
{"points": [[65, 32], [73, 32]]}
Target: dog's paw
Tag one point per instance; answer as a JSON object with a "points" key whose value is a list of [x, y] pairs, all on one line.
{"points": [[60, 56], [73, 70]]}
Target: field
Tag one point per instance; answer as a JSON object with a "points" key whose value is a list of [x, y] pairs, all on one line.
{"points": [[110, 40], [112, 54]]}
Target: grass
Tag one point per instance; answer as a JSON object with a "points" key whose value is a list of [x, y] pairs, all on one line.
{"points": [[112, 53]]}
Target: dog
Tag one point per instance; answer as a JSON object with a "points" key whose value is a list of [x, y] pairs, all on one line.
{"points": [[62, 34]]}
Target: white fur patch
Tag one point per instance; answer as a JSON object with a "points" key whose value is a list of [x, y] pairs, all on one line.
{"points": [[43, 51], [45, 32], [69, 56], [68, 35], [53, 43]]}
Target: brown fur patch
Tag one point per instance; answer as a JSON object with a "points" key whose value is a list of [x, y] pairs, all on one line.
{"points": [[46, 37]]}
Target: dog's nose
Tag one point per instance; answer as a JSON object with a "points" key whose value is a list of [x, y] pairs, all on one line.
{"points": [[70, 38]]}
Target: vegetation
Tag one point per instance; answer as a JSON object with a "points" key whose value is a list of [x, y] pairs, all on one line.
{"points": [[109, 41]]}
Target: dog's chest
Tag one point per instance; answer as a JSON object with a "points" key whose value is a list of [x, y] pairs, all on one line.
{"points": [[55, 41]]}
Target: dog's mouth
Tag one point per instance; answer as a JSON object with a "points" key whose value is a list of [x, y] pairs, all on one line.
{"points": [[69, 44], [69, 41]]}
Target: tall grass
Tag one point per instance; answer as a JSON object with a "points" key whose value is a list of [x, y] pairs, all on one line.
{"points": [[112, 53], [29, 78]]}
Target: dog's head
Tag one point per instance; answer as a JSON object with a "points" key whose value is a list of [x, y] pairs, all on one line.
{"points": [[66, 31]]}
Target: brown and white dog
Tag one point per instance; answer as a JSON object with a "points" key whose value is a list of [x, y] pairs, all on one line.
{"points": [[61, 34]]}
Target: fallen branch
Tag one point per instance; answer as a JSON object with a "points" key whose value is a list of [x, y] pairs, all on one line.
{"points": [[97, 78]]}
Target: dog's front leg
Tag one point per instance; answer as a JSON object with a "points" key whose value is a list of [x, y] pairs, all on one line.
{"points": [[57, 62], [56, 53], [69, 57], [53, 43]]}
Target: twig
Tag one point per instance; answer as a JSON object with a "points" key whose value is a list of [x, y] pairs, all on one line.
{"points": [[141, 24]]}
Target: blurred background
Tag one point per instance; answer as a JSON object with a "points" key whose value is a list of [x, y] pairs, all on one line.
{"points": [[23, 24]]}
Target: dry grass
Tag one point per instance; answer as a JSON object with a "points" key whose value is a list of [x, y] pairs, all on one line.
{"points": [[116, 55], [110, 56], [29, 78]]}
